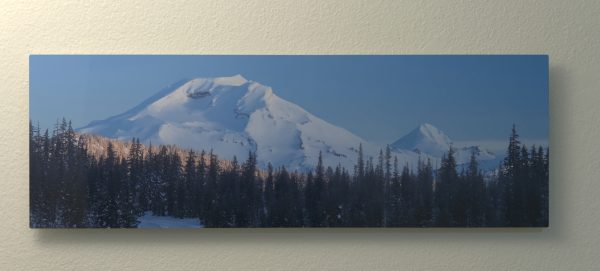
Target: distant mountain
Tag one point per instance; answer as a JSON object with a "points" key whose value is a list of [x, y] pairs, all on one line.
{"points": [[429, 140], [233, 116], [424, 139]]}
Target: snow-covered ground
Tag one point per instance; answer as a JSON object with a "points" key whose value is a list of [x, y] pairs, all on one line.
{"points": [[166, 222]]}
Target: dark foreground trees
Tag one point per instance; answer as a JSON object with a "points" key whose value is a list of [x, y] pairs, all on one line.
{"points": [[71, 188]]}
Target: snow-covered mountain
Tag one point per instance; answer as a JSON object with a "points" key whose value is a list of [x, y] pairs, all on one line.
{"points": [[429, 140], [424, 139], [233, 116]]}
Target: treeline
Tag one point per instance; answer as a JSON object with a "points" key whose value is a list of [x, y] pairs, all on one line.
{"points": [[71, 188]]}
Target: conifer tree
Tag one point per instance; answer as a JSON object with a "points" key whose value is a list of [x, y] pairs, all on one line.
{"points": [[446, 191], [269, 197], [424, 195], [407, 198], [475, 187]]}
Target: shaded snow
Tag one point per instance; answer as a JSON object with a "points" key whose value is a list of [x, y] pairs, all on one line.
{"points": [[166, 222]]}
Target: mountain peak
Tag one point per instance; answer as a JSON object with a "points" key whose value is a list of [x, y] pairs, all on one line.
{"points": [[233, 116], [427, 128], [236, 80], [425, 138], [201, 87]]}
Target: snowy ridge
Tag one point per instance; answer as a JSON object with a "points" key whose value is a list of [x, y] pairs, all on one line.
{"points": [[233, 116]]}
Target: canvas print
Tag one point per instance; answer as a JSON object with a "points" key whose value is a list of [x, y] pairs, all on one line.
{"points": [[194, 141]]}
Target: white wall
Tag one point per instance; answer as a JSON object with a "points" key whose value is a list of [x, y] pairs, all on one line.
{"points": [[569, 31]]}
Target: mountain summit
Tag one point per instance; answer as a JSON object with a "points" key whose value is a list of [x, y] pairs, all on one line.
{"points": [[429, 140], [424, 139]]}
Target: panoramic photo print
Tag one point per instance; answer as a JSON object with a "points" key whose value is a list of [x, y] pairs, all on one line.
{"points": [[220, 141]]}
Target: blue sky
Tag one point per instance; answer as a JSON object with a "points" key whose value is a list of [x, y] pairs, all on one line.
{"points": [[380, 98]]}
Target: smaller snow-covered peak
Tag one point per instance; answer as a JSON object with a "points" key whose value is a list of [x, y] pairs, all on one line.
{"points": [[431, 132], [425, 138], [429, 140]]}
